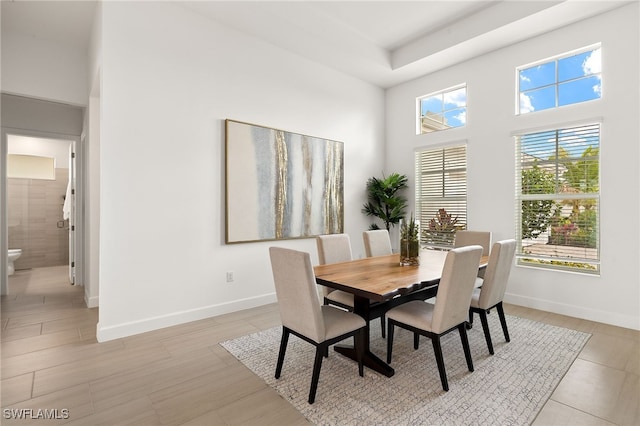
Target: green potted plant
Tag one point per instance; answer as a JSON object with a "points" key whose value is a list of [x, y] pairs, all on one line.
{"points": [[410, 242], [441, 230], [385, 200]]}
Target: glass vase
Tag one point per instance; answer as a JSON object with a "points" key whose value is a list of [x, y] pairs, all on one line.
{"points": [[409, 243]]}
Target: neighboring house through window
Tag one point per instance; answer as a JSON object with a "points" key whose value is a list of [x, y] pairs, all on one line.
{"points": [[442, 110]]}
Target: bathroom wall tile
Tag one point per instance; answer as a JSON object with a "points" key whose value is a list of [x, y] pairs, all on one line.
{"points": [[37, 192], [18, 182], [36, 219], [35, 208]]}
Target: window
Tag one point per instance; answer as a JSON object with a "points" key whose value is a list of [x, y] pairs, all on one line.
{"points": [[441, 194], [31, 167], [558, 194], [564, 80], [442, 110]]}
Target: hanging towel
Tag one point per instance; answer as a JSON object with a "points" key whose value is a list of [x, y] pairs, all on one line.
{"points": [[66, 207]]}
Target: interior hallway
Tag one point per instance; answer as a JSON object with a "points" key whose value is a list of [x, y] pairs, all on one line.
{"points": [[181, 376]]}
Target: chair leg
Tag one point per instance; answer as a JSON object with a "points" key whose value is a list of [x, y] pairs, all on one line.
{"points": [[359, 344], [470, 323], [389, 341], [317, 365], [416, 341], [283, 349], [382, 327], [465, 345], [503, 321], [485, 328], [437, 350]]}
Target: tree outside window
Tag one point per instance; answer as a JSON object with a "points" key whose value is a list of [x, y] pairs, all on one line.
{"points": [[558, 198]]}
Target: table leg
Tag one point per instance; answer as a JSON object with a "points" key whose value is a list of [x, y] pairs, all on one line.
{"points": [[361, 307]]}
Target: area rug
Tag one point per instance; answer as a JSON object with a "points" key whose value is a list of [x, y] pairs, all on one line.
{"points": [[508, 388]]}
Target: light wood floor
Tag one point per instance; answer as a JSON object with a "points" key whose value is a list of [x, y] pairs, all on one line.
{"points": [[181, 376]]}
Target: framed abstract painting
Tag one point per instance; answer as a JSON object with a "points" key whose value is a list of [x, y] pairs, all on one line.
{"points": [[281, 185]]}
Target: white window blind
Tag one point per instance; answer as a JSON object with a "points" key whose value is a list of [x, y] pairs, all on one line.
{"points": [[441, 183], [558, 198]]}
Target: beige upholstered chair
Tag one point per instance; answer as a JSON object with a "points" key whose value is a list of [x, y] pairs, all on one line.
{"points": [[302, 314], [492, 289], [448, 313], [377, 242], [469, 238], [334, 248]]}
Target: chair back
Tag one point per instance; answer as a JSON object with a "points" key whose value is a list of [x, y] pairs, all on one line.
{"points": [[497, 273], [334, 248], [469, 238], [377, 242], [295, 284], [456, 287]]}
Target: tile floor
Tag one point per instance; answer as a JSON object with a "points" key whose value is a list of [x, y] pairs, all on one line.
{"points": [[181, 376]]}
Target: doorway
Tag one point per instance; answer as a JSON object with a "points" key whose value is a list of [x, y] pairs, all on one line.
{"points": [[41, 195]]}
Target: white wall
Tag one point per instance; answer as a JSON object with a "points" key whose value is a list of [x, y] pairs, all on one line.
{"points": [[91, 176], [169, 79], [43, 69], [613, 297], [91, 180]]}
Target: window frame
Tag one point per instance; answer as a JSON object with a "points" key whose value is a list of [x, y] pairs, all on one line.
{"points": [[442, 93], [445, 200], [556, 83], [558, 263]]}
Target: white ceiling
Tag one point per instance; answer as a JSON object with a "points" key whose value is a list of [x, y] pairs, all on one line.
{"points": [[67, 22], [382, 42]]}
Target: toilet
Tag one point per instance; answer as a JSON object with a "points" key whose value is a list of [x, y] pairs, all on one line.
{"points": [[14, 254]]}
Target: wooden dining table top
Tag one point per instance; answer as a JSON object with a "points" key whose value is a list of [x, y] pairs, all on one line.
{"points": [[382, 278]]}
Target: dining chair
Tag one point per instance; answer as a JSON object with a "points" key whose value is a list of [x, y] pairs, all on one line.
{"points": [[334, 248], [467, 238], [492, 288], [303, 316], [377, 242], [449, 311]]}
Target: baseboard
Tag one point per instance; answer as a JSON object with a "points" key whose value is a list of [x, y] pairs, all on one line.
{"points": [[104, 334], [92, 302], [612, 318]]}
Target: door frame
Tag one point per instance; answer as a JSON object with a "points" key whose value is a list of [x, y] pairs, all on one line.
{"points": [[79, 200]]}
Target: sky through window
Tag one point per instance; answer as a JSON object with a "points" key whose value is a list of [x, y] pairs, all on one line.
{"points": [[443, 110], [561, 81]]}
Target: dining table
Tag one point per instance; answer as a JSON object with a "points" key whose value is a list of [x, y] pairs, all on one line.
{"points": [[378, 284]]}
